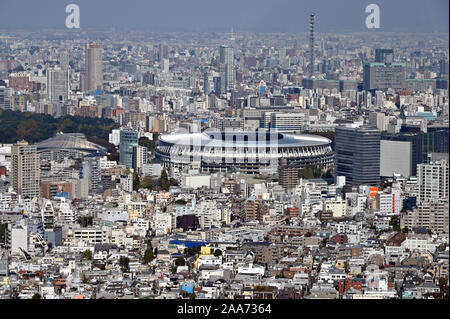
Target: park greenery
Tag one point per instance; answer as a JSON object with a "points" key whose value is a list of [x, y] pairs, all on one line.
{"points": [[35, 127]]}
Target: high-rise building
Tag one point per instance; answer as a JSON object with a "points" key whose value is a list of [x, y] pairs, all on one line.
{"points": [[164, 64], [128, 140], [57, 85], [94, 67], [432, 180], [416, 150], [139, 157], [91, 171], [163, 51], [5, 94], [25, 169], [226, 59], [288, 174], [395, 158], [383, 76], [443, 68], [357, 154]]}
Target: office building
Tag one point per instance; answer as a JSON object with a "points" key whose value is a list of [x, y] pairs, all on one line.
{"points": [[395, 158], [57, 85], [163, 51], [357, 154], [25, 169], [139, 157], [416, 150], [5, 96], [432, 180], [94, 67], [288, 174], [383, 76], [91, 171], [128, 140], [226, 60], [285, 122]]}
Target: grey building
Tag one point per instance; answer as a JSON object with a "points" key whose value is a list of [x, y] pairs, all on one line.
{"points": [[128, 140], [395, 158], [57, 85], [383, 76], [226, 59], [357, 154]]}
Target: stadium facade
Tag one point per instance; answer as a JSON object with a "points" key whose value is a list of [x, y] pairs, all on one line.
{"points": [[258, 152]]}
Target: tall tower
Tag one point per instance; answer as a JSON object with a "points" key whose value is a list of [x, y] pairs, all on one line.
{"points": [[25, 169], [94, 67], [311, 44], [226, 59]]}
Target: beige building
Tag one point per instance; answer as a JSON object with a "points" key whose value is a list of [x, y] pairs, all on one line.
{"points": [[25, 169], [94, 67]]}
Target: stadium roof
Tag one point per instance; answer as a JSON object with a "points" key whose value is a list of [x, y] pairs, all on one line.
{"points": [[70, 141]]}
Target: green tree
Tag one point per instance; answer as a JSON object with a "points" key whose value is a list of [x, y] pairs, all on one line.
{"points": [[164, 181], [124, 263], [3, 232], [136, 182], [192, 296], [147, 182], [180, 262], [87, 254], [27, 130], [148, 255]]}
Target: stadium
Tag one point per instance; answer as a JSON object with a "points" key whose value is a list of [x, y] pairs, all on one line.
{"points": [[258, 152], [73, 145]]}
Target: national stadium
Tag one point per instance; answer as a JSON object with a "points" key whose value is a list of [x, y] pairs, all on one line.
{"points": [[252, 152]]}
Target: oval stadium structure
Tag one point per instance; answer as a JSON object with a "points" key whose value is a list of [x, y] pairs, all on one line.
{"points": [[73, 145], [250, 152]]}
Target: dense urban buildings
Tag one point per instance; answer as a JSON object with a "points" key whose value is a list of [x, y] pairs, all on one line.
{"points": [[209, 165]]}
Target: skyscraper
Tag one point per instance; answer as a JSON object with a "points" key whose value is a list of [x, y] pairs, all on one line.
{"points": [[94, 67], [226, 59], [25, 169], [357, 154], [128, 140], [57, 85]]}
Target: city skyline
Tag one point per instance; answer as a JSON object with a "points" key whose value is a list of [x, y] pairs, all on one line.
{"points": [[224, 164]]}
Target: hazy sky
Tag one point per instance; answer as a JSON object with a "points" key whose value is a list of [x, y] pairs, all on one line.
{"points": [[221, 15]]}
